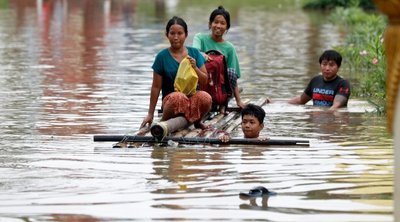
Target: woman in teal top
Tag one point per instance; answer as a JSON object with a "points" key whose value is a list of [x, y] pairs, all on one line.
{"points": [[219, 23], [165, 68]]}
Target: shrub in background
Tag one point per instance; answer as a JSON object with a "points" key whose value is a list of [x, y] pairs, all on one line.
{"points": [[363, 52], [332, 4]]}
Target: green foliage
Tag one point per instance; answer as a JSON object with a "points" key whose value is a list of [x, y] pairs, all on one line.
{"points": [[332, 4], [4, 4], [363, 53]]}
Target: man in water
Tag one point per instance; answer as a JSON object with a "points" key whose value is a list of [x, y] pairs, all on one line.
{"points": [[328, 89]]}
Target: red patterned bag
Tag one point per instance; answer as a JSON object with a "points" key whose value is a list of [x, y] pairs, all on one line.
{"points": [[218, 83]]}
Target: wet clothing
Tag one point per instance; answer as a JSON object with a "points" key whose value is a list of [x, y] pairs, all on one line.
{"points": [[323, 92], [204, 42], [193, 107], [166, 66]]}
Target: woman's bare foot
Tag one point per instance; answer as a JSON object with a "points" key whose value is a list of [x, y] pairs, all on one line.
{"points": [[221, 109]]}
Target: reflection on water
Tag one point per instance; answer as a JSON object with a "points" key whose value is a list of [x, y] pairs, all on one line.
{"points": [[74, 68], [70, 83]]}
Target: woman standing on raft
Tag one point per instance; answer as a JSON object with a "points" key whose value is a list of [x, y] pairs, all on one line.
{"points": [[165, 69]]}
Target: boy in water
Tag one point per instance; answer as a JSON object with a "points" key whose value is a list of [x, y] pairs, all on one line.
{"points": [[252, 123], [328, 89]]}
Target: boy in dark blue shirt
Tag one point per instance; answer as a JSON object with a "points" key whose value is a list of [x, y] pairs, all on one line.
{"points": [[328, 89]]}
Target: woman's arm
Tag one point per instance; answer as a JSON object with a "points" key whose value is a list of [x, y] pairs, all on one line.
{"points": [[154, 94]]}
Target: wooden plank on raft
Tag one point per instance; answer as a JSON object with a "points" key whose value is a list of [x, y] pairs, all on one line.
{"points": [[219, 125], [218, 122], [198, 140]]}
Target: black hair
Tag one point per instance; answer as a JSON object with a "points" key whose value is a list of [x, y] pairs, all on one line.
{"points": [[221, 11], [331, 55], [254, 110], [178, 21]]}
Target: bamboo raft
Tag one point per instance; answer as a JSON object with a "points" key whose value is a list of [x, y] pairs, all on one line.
{"points": [[198, 140], [179, 131]]}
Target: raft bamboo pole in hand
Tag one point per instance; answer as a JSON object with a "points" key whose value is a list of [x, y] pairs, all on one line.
{"points": [[199, 140]]}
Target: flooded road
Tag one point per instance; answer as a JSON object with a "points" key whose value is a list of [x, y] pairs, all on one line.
{"points": [[73, 69]]}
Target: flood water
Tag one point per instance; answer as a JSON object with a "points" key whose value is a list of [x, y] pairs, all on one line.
{"points": [[71, 69]]}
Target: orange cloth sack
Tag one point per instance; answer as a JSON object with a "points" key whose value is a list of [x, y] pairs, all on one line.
{"points": [[186, 79]]}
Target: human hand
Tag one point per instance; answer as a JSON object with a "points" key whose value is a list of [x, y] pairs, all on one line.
{"points": [[263, 138], [147, 120], [206, 56], [192, 61], [224, 138]]}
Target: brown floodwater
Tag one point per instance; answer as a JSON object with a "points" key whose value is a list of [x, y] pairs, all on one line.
{"points": [[71, 69]]}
